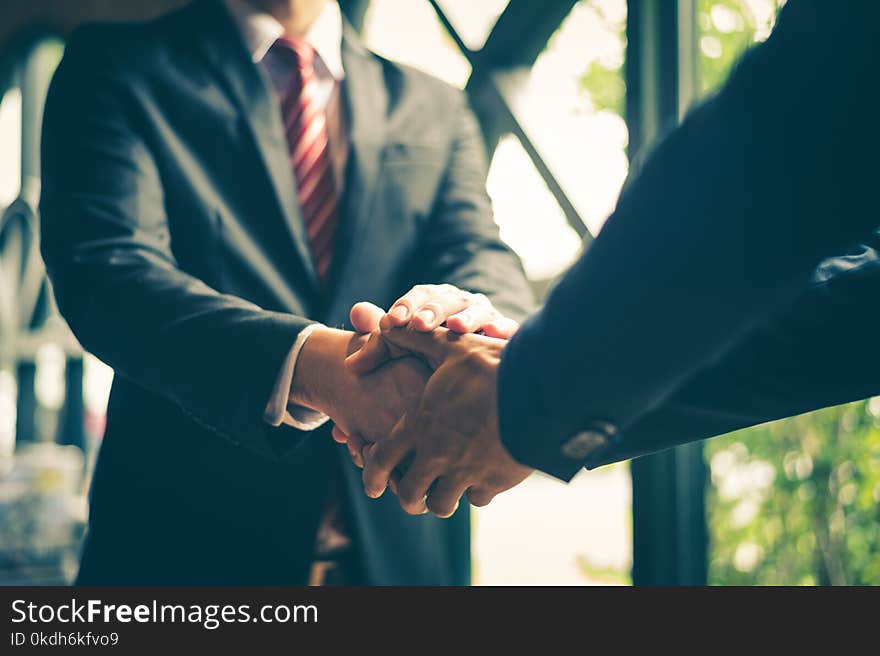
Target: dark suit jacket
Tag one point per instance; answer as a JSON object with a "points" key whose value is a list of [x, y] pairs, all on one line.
{"points": [[173, 239], [699, 309]]}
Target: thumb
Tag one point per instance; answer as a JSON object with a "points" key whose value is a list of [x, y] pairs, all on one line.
{"points": [[501, 328], [433, 347], [370, 356], [365, 316], [395, 343]]}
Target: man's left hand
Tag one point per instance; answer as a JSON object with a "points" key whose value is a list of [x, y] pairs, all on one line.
{"points": [[423, 308], [451, 440]]}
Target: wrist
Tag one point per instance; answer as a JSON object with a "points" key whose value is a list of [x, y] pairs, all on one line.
{"points": [[319, 376]]}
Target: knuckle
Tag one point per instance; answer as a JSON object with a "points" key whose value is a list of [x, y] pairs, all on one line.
{"points": [[442, 460]]}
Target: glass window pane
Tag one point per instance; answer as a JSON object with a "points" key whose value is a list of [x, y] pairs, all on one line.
{"points": [[473, 20], [529, 217], [423, 44], [571, 106], [544, 532], [10, 153]]}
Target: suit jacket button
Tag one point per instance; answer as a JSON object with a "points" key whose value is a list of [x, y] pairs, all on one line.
{"points": [[582, 445]]}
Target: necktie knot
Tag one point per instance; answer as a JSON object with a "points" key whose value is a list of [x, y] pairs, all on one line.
{"points": [[300, 50]]}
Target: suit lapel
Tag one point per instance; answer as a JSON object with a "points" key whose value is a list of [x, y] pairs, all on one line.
{"points": [[224, 47], [366, 105]]}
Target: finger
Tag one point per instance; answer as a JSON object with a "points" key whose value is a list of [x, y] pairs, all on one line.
{"points": [[481, 496], [445, 302], [434, 347], [501, 328], [444, 498], [398, 472], [355, 455], [400, 313], [472, 319], [392, 483], [412, 490], [353, 443], [371, 356], [365, 316], [382, 458], [339, 435], [355, 447], [425, 307]]}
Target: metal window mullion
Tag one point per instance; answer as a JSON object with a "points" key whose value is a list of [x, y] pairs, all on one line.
{"points": [[496, 116], [516, 128], [669, 522]]}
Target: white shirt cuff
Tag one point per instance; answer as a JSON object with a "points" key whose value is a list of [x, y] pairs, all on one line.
{"points": [[279, 410]]}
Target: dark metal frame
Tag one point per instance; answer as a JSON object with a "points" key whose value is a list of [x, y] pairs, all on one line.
{"points": [[669, 527], [669, 517]]}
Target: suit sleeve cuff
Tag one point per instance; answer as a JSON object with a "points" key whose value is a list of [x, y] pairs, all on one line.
{"points": [[536, 428], [278, 409]]}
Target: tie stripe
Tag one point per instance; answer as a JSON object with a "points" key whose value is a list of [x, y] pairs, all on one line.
{"points": [[305, 124]]}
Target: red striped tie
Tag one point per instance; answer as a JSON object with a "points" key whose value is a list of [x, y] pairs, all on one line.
{"points": [[307, 136]]}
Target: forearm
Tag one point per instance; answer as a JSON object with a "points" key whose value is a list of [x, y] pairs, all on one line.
{"points": [[213, 355], [811, 355]]}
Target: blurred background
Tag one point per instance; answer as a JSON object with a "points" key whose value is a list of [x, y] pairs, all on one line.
{"points": [[566, 92]]}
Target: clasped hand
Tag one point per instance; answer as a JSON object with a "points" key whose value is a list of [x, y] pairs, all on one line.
{"points": [[434, 436]]}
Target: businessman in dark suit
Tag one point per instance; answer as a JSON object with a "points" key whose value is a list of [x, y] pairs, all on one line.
{"points": [[219, 187], [736, 282]]}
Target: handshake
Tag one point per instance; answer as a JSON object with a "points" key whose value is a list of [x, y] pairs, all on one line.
{"points": [[413, 396]]}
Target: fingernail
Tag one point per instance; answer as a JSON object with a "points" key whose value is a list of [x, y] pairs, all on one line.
{"points": [[373, 494], [427, 316], [400, 312]]}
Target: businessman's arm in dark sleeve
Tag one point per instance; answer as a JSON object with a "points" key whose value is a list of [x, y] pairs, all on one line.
{"points": [[728, 218], [106, 243], [820, 351]]}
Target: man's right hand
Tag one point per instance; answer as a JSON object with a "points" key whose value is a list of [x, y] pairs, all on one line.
{"points": [[367, 406]]}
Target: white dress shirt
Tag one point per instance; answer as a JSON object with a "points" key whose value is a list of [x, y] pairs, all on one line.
{"points": [[260, 31]]}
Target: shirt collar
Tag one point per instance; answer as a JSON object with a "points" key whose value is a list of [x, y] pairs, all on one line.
{"points": [[261, 30]]}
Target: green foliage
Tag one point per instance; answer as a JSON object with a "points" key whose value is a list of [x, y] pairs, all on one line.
{"points": [[603, 81], [726, 28], [796, 501], [605, 87]]}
